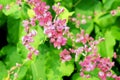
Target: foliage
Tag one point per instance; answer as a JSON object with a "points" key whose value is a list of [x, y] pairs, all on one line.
{"points": [[65, 35]]}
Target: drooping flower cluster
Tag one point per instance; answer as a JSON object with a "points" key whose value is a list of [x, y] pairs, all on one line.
{"points": [[54, 29], [93, 61], [89, 44], [28, 38]]}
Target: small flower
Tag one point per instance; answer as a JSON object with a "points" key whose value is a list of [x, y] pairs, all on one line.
{"points": [[7, 7], [29, 56], [115, 55], [102, 75], [89, 17], [113, 12], [1, 6], [65, 55], [83, 21], [57, 9], [15, 75], [36, 52]]}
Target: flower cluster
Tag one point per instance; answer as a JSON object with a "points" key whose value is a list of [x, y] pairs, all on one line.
{"points": [[93, 61], [28, 38], [65, 55], [83, 20], [89, 45], [54, 29]]}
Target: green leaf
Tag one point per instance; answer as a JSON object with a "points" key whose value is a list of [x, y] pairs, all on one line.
{"points": [[105, 20], [13, 30], [76, 76], [66, 68], [68, 5], [12, 57], [88, 27], [115, 31], [22, 72], [3, 71], [65, 14], [2, 19], [14, 11], [107, 4], [106, 48], [86, 7], [30, 13], [49, 66], [115, 4], [38, 68], [5, 2], [24, 9]]}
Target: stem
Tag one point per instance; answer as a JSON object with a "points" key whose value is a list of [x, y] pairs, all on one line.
{"points": [[77, 3]]}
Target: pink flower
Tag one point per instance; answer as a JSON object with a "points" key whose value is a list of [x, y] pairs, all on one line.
{"points": [[19, 2], [36, 52], [113, 12], [83, 21], [115, 55], [57, 9], [102, 75], [7, 7], [65, 55], [29, 56], [1, 6]]}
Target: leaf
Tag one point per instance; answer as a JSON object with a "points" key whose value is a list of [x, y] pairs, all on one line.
{"points": [[14, 11], [12, 56], [2, 19], [68, 5], [49, 66], [108, 4], [30, 13], [65, 14], [87, 7], [105, 20], [3, 71], [38, 68], [115, 4], [66, 68], [106, 48], [115, 31], [22, 72], [5, 2], [76, 76], [13, 30], [23, 13], [88, 27]]}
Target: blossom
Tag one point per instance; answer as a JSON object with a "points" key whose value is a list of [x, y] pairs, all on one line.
{"points": [[93, 61], [65, 55], [113, 12], [28, 38], [57, 9], [1, 6]]}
